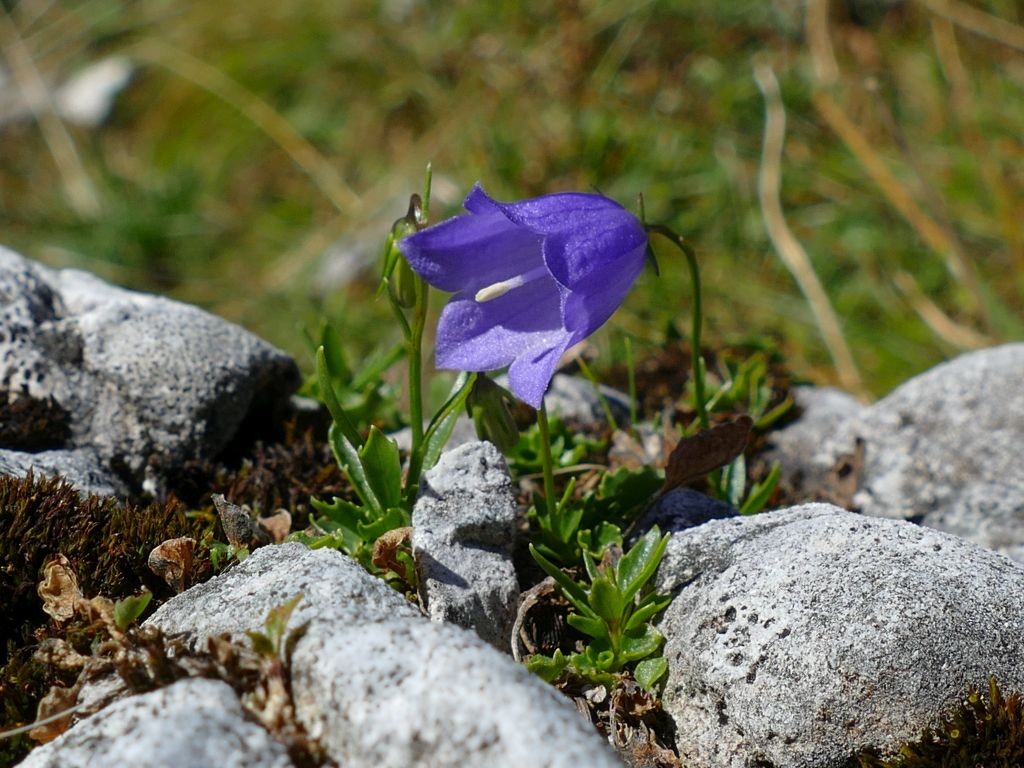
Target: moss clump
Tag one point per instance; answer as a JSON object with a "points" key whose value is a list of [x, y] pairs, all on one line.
{"points": [[983, 731]]}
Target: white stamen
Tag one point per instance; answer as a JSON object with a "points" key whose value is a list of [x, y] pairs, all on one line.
{"points": [[494, 290]]}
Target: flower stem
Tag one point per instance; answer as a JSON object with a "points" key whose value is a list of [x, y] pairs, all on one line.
{"points": [[547, 462], [696, 361], [419, 322]]}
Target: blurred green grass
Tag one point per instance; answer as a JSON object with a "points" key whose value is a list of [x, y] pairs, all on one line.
{"points": [[258, 138]]}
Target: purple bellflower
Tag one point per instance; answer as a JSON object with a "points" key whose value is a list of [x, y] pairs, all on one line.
{"points": [[530, 279]]}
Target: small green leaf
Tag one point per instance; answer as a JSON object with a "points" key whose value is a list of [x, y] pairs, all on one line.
{"points": [[606, 599], [573, 592], [278, 617], [596, 628], [637, 645], [330, 398], [761, 492], [638, 565], [382, 466], [262, 644], [649, 671], [734, 480], [646, 611], [349, 461], [548, 668], [130, 608], [441, 426]]}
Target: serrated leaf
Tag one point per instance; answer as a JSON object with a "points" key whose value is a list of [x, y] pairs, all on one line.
{"points": [[649, 671], [129, 609], [382, 467], [638, 565]]}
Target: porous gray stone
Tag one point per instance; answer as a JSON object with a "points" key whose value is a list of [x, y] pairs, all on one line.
{"points": [[409, 693], [334, 588], [798, 636], [464, 527], [574, 398], [379, 684], [146, 383], [192, 722]]}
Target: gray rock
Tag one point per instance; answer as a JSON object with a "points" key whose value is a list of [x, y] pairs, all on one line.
{"points": [[142, 382], [574, 398], [81, 467], [409, 693], [943, 450], [681, 509], [335, 589], [799, 636], [377, 682], [193, 722], [464, 528], [823, 410]]}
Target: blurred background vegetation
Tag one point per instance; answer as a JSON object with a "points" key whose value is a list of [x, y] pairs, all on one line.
{"points": [[258, 152]]}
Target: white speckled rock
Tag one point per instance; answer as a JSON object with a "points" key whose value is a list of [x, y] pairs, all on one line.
{"points": [[193, 722], [142, 382], [800, 635], [464, 528], [379, 683], [943, 449], [335, 589], [410, 693]]}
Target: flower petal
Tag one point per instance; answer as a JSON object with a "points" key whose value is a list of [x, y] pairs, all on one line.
{"points": [[593, 301], [531, 374], [583, 233], [475, 336], [469, 252]]}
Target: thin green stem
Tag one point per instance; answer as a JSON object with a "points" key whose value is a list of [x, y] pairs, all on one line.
{"points": [[696, 361], [419, 322], [547, 462], [631, 377]]}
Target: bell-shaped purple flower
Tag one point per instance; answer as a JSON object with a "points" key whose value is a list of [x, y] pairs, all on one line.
{"points": [[530, 280]]}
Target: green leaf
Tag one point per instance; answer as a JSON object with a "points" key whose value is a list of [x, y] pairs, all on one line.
{"points": [[349, 460], [573, 592], [130, 608], [382, 466], [645, 612], [394, 517], [638, 565], [761, 492], [596, 628], [640, 644], [441, 426], [596, 540], [600, 657], [548, 668], [606, 599], [330, 398], [278, 617], [649, 671], [262, 644]]}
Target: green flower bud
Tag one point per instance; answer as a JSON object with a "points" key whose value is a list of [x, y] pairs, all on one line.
{"points": [[489, 406]]}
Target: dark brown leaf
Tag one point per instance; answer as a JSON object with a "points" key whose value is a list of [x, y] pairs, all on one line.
{"points": [[706, 451], [239, 527]]}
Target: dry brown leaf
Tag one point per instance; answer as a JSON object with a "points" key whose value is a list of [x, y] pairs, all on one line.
{"points": [[59, 653], [56, 700], [172, 561], [706, 451], [59, 589], [278, 525], [386, 548], [239, 527]]}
